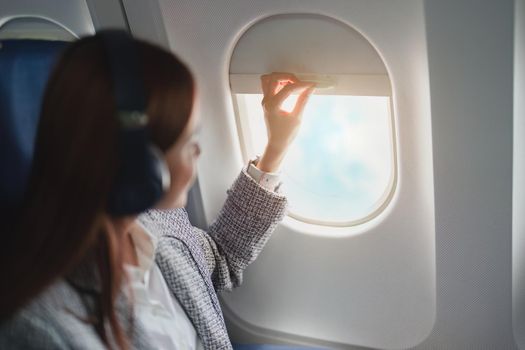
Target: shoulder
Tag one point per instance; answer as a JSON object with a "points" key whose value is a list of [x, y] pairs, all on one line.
{"points": [[172, 222], [27, 330], [53, 320]]}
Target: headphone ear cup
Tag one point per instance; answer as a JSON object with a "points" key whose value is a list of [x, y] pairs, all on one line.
{"points": [[161, 171], [143, 176]]}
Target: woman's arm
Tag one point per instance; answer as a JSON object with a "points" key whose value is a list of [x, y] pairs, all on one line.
{"points": [[240, 231], [251, 212]]}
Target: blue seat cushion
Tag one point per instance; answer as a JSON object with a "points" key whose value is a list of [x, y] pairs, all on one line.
{"points": [[25, 66]]}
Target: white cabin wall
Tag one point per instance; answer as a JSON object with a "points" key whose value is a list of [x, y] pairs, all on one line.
{"points": [[107, 14], [204, 34], [470, 48], [518, 224]]}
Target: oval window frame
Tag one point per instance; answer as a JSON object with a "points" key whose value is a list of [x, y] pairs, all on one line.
{"points": [[347, 84]]}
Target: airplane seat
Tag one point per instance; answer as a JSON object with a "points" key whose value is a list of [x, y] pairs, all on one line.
{"points": [[25, 66]]}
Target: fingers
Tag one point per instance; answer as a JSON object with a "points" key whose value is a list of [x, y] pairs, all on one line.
{"points": [[289, 89], [273, 83], [284, 76], [278, 86], [302, 99]]}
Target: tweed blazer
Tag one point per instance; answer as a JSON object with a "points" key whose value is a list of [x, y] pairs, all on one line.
{"points": [[195, 264]]}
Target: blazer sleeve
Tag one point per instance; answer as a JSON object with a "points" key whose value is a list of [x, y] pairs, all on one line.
{"points": [[242, 228]]}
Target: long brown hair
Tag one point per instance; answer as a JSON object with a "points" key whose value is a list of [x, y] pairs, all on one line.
{"points": [[63, 221]]}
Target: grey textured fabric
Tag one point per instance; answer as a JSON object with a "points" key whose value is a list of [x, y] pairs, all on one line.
{"points": [[195, 264], [57, 319]]}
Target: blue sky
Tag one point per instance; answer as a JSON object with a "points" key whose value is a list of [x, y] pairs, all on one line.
{"points": [[341, 161]]}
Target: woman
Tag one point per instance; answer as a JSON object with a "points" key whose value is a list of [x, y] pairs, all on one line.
{"points": [[77, 276]]}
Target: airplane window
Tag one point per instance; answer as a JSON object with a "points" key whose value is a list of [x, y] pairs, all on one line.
{"points": [[340, 169]]}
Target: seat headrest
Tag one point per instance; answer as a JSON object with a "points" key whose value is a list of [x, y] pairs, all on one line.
{"points": [[25, 66]]}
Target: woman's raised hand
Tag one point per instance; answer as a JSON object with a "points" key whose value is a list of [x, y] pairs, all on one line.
{"points": [[281, 126]]}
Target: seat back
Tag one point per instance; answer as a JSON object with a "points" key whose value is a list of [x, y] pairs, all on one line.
{"points": [[25, 66]]}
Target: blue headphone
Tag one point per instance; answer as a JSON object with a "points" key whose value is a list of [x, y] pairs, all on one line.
{"points": [[143, 176]]}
